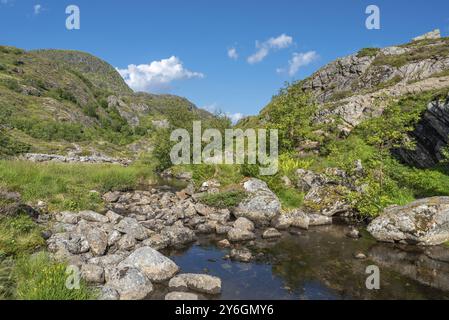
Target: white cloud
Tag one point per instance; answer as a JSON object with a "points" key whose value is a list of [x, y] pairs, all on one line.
{"points": [[235, 117], [232, 53], [214, 108], [299, 60], [264, 48], [37, 9], [158, 75]]}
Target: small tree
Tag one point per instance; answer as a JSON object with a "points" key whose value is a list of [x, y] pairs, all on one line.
{"points": [[388, 132]]}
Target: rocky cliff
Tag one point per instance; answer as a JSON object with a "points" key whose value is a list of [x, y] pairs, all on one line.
{"points": [[358, 87]]}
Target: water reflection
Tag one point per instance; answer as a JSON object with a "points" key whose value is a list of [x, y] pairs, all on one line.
{"points": [[320, 264]]}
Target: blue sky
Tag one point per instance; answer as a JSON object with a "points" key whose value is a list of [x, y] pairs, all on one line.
{"points": [[182, 47]]}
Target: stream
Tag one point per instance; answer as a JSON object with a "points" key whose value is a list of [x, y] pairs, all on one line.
{"points": [[319, 264]]}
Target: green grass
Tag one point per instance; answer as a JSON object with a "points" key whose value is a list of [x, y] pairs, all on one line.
{"points": [[368, 52], [19, 235], [420, 51], [68, 186], [290, 198], [38, 277], [228, 199]]}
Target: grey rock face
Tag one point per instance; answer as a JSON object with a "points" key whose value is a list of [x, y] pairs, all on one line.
{"points": [[431, 135], [130, 283], [423, 222], [261, 205], [196, 282], [435, 34], [152, 264]]}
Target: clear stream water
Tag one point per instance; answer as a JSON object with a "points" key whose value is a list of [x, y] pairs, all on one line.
{"points": [[317, 264], [320, 264]]}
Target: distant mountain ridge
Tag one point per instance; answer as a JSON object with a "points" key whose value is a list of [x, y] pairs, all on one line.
{"points": [[53, 99]]}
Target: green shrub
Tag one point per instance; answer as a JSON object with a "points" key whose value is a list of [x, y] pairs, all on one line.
{"points": [[40, 278], [227, 199], [50, 130]]}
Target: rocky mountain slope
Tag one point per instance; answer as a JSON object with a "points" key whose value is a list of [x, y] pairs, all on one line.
{"points": [[358, 87], [59, 101]]}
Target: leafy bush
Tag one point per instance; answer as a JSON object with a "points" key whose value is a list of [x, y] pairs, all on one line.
{"points": [[50, 130]]}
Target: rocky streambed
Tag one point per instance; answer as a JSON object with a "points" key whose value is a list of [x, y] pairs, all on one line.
{"points": [[165, 244]]}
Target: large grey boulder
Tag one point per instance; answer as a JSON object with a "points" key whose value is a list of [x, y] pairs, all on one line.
{"points": [[423, 222], [130, 283], [133, 228], [261, 204], [196, 282], [153, 264]]}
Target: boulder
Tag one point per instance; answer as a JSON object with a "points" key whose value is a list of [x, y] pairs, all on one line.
{"points": [[197, 282], [236, 235], [108, 293], [92, 273], [242, 255], [223, 243], [271, 233], [327, 200], [423, 222], [299, 219], [153, 264], [98, 241], [308, 180], [243, 224], [133, 228], [113, 217], [130, 283], [157, 242], [319, 220], [261, 205], [178, 235], [127, 243], [93, 216]]}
